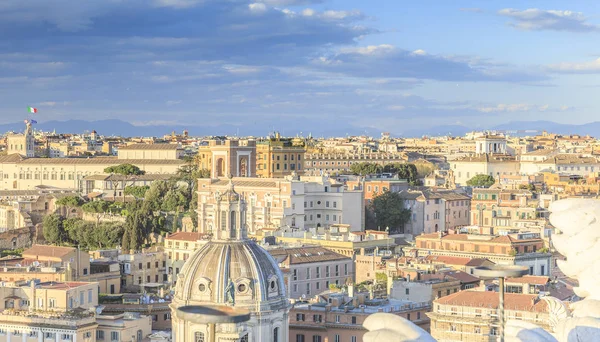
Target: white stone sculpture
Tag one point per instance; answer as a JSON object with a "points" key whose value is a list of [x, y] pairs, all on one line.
{"points": [[578, 239]]}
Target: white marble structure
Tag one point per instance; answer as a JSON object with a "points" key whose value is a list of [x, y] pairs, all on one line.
{"points": [[578, 239], [234, 271]]}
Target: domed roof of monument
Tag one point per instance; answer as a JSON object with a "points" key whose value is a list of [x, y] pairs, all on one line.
{"points": [[254, 274]]}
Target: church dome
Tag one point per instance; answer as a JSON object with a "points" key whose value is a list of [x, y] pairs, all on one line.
{"points": [[209, 274]]}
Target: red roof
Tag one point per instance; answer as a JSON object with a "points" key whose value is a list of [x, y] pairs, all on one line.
{"points": [[185, 236], [529, 279], [489, 300]]}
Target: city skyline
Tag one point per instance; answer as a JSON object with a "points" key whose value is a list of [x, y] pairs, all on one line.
{"points": [[297, 64]]}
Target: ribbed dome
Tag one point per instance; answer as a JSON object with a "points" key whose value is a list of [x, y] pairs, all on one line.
{"points": [[257, 280]]}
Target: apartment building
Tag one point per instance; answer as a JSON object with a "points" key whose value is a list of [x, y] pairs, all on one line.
{"points": [[524, 249], [433, 211], [503, 207], [65, 264], [178, 247], [277, 157], [472, 315], [335, 163], [148, 268], [150, 151], [302, 203], [424, 290], [63, 311], [338, 317], [467, 167], [309, 271], [338, 238]]}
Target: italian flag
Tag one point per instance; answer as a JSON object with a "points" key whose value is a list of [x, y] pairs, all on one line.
{"points": [[32, 110]]}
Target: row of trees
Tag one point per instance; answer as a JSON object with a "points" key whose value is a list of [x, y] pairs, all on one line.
{"points": [[402, 170]]}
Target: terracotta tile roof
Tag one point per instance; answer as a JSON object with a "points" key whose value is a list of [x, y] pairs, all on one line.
{"points": [[488, 299], [529, 279], [478, 262], [461, 276], [448, 260], [306, 255], [152, 147], [11, 158], [185, 236], [47, 251]]}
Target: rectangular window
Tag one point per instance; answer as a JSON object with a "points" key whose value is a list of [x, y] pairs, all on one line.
{"points": [[345, 269], [90, 296], [307, 288], [353, 319], [327, 204], [99, 334], [300, 338], [308, 273], [114, 336]]}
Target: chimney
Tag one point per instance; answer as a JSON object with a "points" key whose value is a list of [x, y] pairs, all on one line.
{"points": [[351, 290]]}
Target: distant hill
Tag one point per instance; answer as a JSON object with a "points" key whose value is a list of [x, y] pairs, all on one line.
{"points": [[338, 128]]}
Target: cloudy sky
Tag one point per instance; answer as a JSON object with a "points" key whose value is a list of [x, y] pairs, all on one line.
{"points": [[301, 65]]}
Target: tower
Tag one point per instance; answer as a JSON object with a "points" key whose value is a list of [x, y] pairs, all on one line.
{"points": [[23, 144], [235, 271]]}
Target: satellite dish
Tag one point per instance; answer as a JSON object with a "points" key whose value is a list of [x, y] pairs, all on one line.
{"points": [[18, 265], [99, 309], [36, 263]]}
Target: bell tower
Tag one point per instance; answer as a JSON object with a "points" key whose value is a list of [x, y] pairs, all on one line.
{"points": [[230, 216]]}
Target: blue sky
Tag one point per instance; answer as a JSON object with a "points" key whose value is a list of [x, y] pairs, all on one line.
{"points": [[301, 65]]}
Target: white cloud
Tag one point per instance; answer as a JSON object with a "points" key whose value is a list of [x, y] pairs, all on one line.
{"points": [[511, 108], [241, 69], [257, 7], [178, 3], [592, 67], [53, 103], [419, 52], [534, 19], [173, 102], [396, 107], [308, 12], [471, 9]]}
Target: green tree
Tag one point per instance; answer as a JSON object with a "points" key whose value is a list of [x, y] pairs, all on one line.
{"points": [[98, 208], [125, 170], [408, 172], [365, 168], [69, 202], [136, 191], [134, 236], [481, 181], [53, 229], [389, 211]]}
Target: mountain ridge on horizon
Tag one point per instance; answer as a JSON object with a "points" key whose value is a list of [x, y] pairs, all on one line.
{"points": [[116, 127]]}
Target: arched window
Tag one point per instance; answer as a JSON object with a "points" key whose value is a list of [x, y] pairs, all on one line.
{"points": [[276, 335], [198, 336]]}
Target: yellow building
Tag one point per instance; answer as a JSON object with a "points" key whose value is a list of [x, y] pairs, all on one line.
{"points": [[178, 248], [472, 315], [278, 157], [33, 311], [61, 264]]}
